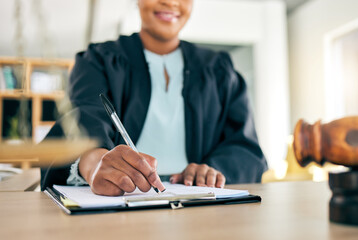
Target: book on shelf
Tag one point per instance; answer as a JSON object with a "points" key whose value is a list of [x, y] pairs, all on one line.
{"points": [[9, 76], [44, 82], [2, 80]]}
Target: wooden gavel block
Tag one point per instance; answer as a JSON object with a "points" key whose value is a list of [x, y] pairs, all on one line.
{"points": [[335, 142]]}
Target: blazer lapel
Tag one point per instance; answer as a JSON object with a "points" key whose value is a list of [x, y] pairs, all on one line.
{"points": [[192, 104], [135, 111]]}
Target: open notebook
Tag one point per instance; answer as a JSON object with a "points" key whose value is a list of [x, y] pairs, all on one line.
{"points": [[75, 199]]}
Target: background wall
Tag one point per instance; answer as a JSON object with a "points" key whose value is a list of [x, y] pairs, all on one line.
{"points": [[307, 28], [62, 22]]}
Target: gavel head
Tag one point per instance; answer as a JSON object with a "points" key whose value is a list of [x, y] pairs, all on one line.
{"points": [[335, 142], [307, 142]]}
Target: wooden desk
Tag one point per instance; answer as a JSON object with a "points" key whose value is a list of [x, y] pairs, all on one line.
{"points": [[25, 181], [289, 210]]}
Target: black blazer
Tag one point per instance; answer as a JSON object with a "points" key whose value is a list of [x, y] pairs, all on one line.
{"points": [[219, 126]]}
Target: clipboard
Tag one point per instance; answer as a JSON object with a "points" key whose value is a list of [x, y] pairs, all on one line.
{"points": [[71, 208]]}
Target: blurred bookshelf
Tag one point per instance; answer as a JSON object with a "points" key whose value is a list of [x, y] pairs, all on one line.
{"points": [[31, 87]]}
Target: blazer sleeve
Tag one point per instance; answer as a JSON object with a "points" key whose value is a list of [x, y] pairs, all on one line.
{"points": [[87, 81], [238, 155]]}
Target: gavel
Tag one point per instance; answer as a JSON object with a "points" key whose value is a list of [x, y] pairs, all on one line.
{"points": [[335, 142]]}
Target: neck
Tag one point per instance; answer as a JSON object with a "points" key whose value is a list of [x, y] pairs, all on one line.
{"points": [[158, 46]]}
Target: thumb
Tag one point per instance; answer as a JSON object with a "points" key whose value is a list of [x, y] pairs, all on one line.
{"points": [[176, 178]]}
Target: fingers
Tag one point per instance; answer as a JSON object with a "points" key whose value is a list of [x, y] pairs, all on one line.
{"points": [[121, 180], [102, 186], [220, 180], [151, 160], [156, 179], [140, 167], [107, 189], [201, 174], [211, 178], [176, 178], [122, 170], [141, 163], [125, 170], [189, 174], [134, 175]]}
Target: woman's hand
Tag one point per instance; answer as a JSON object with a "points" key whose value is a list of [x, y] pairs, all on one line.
{"points": [[201, 174], [119, 170]]}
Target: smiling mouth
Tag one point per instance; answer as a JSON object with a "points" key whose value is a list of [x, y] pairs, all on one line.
{"points": [[167, 16]]}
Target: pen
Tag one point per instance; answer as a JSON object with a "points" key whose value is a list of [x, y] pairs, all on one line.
{"points": [[118, 124]]}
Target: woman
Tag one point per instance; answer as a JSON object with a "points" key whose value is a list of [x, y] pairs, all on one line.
{"points": [[184, 105]]}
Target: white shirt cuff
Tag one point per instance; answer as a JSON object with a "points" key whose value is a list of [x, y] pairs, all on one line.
{"points": [[74, 178]]}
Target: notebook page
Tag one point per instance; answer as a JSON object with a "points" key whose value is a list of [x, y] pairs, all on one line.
{"points": [[86, 198]]}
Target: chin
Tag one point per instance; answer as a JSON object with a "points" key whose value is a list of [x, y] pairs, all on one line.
{"points": [[166, 35]]}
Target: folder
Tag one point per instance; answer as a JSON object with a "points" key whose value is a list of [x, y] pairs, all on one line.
{"points": [[80, 200]]}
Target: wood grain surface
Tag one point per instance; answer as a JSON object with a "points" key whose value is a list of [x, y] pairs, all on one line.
{"points": [[25, 181], [289, 210]]}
